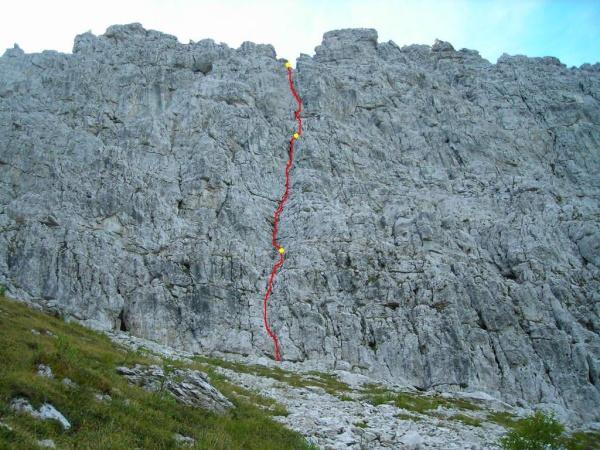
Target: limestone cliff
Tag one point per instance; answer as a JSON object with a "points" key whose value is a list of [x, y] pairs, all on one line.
{"points": [[443, 228]]}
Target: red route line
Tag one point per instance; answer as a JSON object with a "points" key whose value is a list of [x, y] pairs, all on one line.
{"points": [[278, 212]]}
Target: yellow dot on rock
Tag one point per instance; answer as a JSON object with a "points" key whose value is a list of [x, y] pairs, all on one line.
{"points": [[287, 65], [281, 250], [296, 135]]}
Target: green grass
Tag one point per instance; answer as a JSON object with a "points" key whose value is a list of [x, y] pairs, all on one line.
{"points": [[506, 419], [134, 418], [361, 424], [377, 395], [326, 381], [466, 420], [582, 440], [330, 382]]}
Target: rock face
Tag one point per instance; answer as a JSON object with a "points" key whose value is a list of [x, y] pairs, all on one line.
{"points": [[189, 387], [442, 230]]}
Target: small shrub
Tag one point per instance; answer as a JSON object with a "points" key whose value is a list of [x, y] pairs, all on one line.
{"points": [[536, 432], [2, 290]]}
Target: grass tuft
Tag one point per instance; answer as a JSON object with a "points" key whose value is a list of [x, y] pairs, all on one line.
{"points": [[503, 418], [377, 395], [467, 420]]}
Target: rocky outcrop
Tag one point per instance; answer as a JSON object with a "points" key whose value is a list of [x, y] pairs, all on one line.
{"points": [[45, 412], [442, 230], [189, 387]]}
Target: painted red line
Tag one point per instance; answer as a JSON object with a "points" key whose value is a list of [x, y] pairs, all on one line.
{"points": [[277, 214]]}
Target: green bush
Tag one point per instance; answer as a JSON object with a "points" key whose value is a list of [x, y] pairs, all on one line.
{"points": [[536, 432], [2, 290]]}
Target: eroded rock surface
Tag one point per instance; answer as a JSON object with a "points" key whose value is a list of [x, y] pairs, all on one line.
{"points": [[190, 387], [442, 230]]}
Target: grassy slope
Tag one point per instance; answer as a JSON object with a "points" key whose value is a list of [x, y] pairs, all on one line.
{"points": [[138, 419], [133, 418]]}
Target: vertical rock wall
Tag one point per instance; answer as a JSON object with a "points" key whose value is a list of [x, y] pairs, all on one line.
{"points": [[443, 228]]}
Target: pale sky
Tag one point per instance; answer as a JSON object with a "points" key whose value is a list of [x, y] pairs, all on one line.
{"points": [[569, 30]]}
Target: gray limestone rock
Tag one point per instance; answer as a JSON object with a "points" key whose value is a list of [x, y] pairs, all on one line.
{"points": [[442, 228], [69, 383], [184, 440], [22, 405], [44, 371], [102, 397], [49, 412], [46, 443], [190, 387], [45, 412], [412, 440]]}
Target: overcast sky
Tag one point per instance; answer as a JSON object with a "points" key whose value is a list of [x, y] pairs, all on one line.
{"points": [[569, 30]]}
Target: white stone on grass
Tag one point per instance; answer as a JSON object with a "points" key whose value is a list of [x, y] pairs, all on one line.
{"points": [[49, 412], [44, 371], [184, 440], [46, 411]]}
